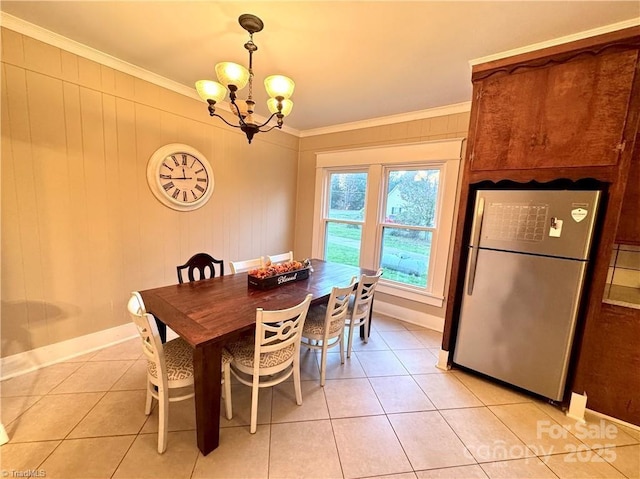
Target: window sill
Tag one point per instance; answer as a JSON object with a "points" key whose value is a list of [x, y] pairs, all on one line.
{"points": [[410, 294]]}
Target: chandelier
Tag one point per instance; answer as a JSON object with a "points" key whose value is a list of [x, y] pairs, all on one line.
{"points": [[233, 77]]}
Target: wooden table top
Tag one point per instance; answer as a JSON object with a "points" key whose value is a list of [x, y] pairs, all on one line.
{"points": [[211, 310]]}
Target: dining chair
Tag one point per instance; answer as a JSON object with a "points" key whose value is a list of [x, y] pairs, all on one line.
{"points": [[324, 327], [169, 366], [272, 355], [246, 265], [360, 307], [280, 258], [204, 264]]}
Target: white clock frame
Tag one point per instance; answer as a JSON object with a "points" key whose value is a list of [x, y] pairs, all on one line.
{"points": [[156, 186]]}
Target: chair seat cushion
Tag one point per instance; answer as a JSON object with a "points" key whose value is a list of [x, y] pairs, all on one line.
{"points": [[178, 357], [243, 351], [314, 324], [226, 357], [362, 308]]}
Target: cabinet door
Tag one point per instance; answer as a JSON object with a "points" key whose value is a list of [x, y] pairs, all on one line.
{"points": [[629, 224], [561, 115]]}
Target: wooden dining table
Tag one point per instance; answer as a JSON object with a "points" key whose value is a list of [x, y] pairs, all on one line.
{"points": [[212, 312]]}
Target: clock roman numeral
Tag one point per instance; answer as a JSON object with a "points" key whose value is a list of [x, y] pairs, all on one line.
{"points": [[176, 193], [165, 177], [167, 166], [184, 196], [174, 160], [201, 179], [194, 195], [194, 162], [168, 186], [199, 171], [184, 159], [199, 188]]}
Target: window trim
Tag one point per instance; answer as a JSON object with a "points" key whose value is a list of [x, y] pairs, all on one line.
{"points": [[446, 153]]}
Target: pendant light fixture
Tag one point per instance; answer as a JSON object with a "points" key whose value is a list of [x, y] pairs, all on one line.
{"points": [[233, 77]]}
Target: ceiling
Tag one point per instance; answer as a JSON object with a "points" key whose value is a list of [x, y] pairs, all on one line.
{"points": [[351, 61]]}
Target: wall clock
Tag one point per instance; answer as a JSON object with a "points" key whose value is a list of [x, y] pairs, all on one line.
{"points": [[180, 177]]}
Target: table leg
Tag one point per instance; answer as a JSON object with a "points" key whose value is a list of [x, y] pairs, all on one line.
{"points": [[362, 336], [162, 330], [207, 365]]}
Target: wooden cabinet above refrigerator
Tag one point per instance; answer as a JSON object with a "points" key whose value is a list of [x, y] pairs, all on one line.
{"points": [[565, 117]]}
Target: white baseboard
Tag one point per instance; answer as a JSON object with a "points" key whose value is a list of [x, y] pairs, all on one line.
{"points": [[412, 316], [28, 361]]}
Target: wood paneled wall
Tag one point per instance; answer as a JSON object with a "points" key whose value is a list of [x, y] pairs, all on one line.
{"points": [[80, 227]]}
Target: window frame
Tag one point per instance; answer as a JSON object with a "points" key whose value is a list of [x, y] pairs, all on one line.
{"points": [[444, 154]]}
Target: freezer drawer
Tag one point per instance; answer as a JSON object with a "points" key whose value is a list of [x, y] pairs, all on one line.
{"points": [[518, 324]]}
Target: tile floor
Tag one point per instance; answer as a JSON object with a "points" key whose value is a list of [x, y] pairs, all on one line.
{"points": [[387, 412]]}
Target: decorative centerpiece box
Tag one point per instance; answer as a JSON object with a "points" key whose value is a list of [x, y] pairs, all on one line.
{"points": [[272, 276]]}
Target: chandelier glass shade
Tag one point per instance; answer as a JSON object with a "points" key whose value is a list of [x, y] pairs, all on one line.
{"points": [[233, 77]]}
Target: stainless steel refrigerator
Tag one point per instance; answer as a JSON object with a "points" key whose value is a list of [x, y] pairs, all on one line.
{"points": [[525, 274]]}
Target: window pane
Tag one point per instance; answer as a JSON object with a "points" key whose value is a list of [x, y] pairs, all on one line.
{"points": [[346, 196], [343, 243], [412, 196], [405, 255]]}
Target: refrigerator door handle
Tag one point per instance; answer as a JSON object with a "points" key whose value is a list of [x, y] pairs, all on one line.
{"points": [[475, 243]]}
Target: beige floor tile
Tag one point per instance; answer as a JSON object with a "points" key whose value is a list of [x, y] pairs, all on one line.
{"points": [[459, 472], [351, 397], [489, 392], [142, 460], [529, 468], [375, 343], [182, 415], [625, 459], [130, 349], [536, 429], [445, 391], [241, 399], [466, 472], [398, 340], [381, 322], [12, 407], [93, 376], [83, 357], [25, 456], [350, 369], [484, 435], [380, 363], [303, 450], [53, 417], [381, 454], [309, 369], [635, 433], [400, 394], [599, 432], [239, 455], [285, 409], [404, 475], [428, 441], [580, 465], [428, 338], [134, 378], [38, 382], [417, 361], [87, 458], [117, 413]]}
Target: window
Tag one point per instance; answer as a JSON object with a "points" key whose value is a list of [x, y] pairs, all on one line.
{"points": [[408, 225], [390, 207], [344, 217]]}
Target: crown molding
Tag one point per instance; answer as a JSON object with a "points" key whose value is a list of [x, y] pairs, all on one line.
{"points": [[34, 31], [391, 119], [556, 41]]}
